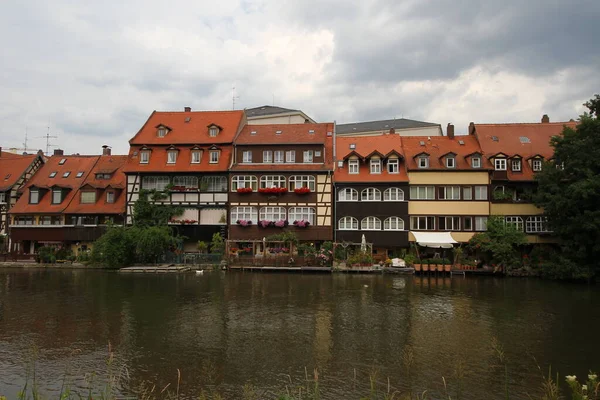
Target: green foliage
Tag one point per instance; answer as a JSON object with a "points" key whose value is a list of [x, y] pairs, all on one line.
{"points": [[499, 244], [570, 196], [202, 246], [410, 259], [502, 195], [46, 254], [287, 236], [115, 249], [152, 242], [217, 244], [147, 212], [360, 258]]}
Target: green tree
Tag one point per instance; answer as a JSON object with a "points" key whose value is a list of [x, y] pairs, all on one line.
{"points": [[148, 211], [569, 193], [217, 244], [114, 249], [499, 244]]}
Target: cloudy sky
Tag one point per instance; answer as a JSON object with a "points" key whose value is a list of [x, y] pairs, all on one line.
{"points": [[92, 71]]}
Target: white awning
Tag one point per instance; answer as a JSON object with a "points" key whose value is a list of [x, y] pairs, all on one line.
{"points": [[438, 240]]}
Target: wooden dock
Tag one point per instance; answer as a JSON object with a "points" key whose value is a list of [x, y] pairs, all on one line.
{"points": [[259, 268], [157, 269]]}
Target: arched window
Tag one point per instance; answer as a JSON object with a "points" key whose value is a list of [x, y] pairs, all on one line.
{"points": [[243, 213], [348, 224], [186, 181], [370, 194], [348, 194], [243, 181], [370, 224], [302, 213], [272, 213], [271, 181], [393, 224], [393, 194], [300, 181]]}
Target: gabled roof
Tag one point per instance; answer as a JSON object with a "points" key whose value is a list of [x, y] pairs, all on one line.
{"points": [[195, 131], [285, 134], [524, 139], [382, 125], [363, 147], [158, 160], [439, 146], [12, 167]]}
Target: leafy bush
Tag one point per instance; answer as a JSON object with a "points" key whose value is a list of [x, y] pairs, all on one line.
{"points": [[114, 249], [202, 246], [410, 259], [360, 258], [46, 254], [217, 244]]}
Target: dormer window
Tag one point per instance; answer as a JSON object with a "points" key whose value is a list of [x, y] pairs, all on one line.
{"points": [[195, 157], [423, 162], [56, 196], [353, 166], [144, 157], [476, 162], [375, 164], [213, 131], [161, 132], [450, 162], [34, 196], [110, 197], [88, 197], [214, 156], [537, 165], [103, 176], [172, 156], [392, 166], [247, 156], [500, 164], [516, 165]]}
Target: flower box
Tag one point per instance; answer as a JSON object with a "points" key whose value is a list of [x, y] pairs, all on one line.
{"points": [[273, 190], [302, 190], [183, 189], [282, 223], [183, 221], [265, 223], [243, 222], [301, 224], [244, 190]]}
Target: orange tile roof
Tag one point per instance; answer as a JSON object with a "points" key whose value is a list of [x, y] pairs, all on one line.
{"points": [[12, 167], [439, 146], [193, 132], [158, 160], [364, 146], [289, 134], [507, 139]]}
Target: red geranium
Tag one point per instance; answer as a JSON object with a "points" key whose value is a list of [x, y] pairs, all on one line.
{"points": [[245, 190], [302, 190]]}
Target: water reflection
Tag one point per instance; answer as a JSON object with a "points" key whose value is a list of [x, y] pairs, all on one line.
{"points": [[229, 329]]}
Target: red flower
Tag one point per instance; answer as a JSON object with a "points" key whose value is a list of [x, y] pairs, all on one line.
{"points": [[273, 190], [244, 190], [302, 190]]}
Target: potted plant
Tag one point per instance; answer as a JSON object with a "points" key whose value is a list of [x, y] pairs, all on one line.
{"points": [[302, 190], [426, 265], [301, 223], [282, 223], [265, 223], [244, 190], [202, 246], [243, 222], [273, 190]]}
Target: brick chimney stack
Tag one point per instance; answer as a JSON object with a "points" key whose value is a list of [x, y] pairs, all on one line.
{"points": [[0, 151], [59, 152], [471, 128], [450, 131], [187, 109], [105, 150], [545, 119]]}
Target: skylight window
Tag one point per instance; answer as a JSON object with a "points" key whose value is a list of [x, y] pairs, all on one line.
{"points": [[62, 161], [66, 174], [422, 143], [52, 174], [461, 142], [524, 139], [495, 138], [278, 132], [7, 176], [252, 133], [311, 131], [80, 174], [352, 146]]}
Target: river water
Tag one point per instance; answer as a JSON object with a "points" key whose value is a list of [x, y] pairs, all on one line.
{"points": [[225, 330]]}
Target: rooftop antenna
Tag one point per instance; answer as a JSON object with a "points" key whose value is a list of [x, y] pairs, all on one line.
{"points": [[233, 97], [48, 137]]}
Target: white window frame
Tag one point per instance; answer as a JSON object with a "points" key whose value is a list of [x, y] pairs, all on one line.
{"points": [[393, 166], [476, 162], [267, 157], [515, 165], [422, 192], [393, 194], [516, 221], [186, 181], [500, 164], [454, 223], [450, 193], [307, 156], [278, 156], [2, 197], [196, 157], [536, 224], [536, 165], [213, 156], [393, 224], [247, 156], [302, 213], [290, 156], [213, 131], [79, 174], [353, 166], [110, 197], [375, 166], [300, 181], [34, 196], [370, 224], [272, 214], [214, 184], [480, 224], [423, 162], [244, 181], [144, 157], [348, 224], [158, 183], [348, 194], [470, 224], [247, 213], [272, 181], [422, 223], [87, 197], [172, 156], [370, 194], [480, 193], [161, 132], [467, 193], [57, 192], [450, 162]]}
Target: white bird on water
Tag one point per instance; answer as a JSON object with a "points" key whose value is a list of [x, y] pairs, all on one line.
{"points": [[199, 271]]}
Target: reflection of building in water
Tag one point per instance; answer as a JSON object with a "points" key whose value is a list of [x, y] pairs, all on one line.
{"points": [[323, 341]]}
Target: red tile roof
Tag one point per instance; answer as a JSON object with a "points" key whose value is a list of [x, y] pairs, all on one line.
{"points": [[525, 140], [12, 167], [364, 146], [289, 134], [439, 146], [195, 131], [158, 160]]}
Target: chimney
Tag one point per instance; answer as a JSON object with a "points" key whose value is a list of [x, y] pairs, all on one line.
{"points": [[58, 152], [0, 151], [105, 150], [545, 119], [392, 131], [187, 109], [450, 131], [471, 128], [40, 153]]}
